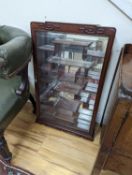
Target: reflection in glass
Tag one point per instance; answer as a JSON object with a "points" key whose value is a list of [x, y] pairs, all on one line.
{"points": [[70, 67]]}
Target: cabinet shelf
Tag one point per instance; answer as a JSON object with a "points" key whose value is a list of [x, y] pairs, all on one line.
{"points": [[64, 109], [68, 87], [47, 47], [70, 62], [96, 53], [73, 42]]}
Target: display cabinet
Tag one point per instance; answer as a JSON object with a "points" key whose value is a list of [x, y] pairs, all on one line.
{"points": [[70, 63]]}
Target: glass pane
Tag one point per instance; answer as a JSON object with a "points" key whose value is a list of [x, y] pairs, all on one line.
{"points": [[70, 67]]}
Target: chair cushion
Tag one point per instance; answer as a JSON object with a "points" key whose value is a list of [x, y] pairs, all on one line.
{"points": [[10, 102]]}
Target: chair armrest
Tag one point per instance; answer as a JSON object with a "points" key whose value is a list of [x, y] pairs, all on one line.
{"points": [[16, 54]]}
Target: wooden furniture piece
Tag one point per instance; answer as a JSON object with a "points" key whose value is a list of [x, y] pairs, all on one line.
{"points": [[116, 146], [70, 63]]}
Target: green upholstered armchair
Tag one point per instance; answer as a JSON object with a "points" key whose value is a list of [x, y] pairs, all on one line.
{"points": [[15, 50]]}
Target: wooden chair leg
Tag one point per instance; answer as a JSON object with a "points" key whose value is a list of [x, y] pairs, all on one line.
{"points": [[4, 150], [31, 98]]}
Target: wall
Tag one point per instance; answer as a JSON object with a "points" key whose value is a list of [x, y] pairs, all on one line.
{"points": [[102, 12]]}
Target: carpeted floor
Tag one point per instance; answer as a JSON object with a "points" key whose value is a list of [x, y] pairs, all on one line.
{"points": [[7, 169]]}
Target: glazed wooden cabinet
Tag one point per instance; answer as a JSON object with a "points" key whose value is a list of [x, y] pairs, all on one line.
{"points": [[70, 63], [116, 147]]}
